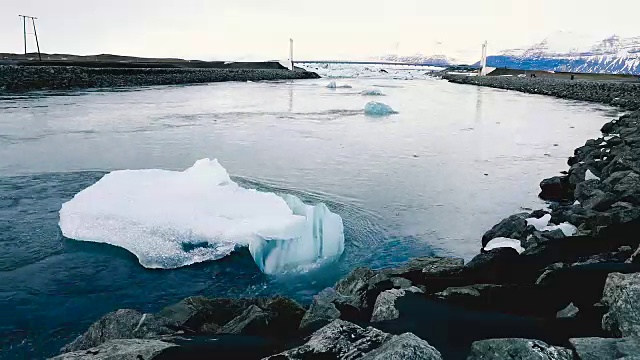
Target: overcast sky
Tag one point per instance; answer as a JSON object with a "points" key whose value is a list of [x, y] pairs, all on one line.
{"points": [[327, 29]]}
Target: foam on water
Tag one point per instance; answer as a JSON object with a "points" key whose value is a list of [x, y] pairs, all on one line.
{"points": [[170, 219]]}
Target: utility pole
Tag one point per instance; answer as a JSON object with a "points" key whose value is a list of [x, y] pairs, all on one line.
{"points": [[35, 33], [291, 54]]}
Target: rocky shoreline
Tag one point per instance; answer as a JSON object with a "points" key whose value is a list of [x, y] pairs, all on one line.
{"points": [[15, 78], [560, 283]]}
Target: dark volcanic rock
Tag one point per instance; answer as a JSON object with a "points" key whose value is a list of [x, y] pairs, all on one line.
{"points": [[253, 321], [338, 340], [344, 340], [209, 315], [120, 349], [26, 78], [616, 93], [496, 266], [322, 310], [405, 346], [517, 349], [385, 306], [556, 188], [513, 227], [621, 294], [606, 349], [120, 324]]}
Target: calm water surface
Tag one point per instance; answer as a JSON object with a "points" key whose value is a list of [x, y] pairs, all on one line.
{"points": [[429, 180]]}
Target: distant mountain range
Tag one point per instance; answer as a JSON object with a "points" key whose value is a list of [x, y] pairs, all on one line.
{"points": [[565, 51]]}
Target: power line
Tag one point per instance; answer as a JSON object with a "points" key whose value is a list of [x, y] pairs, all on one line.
{"points": [[35, 33]]}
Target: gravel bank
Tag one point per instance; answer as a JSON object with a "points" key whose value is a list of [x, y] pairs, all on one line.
{"points": [[616, 93], [26, 78]]}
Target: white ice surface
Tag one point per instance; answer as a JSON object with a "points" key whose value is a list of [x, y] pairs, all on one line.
{"points": [[371, 71], [567, 229], [541, 223], [588, 175], [501, 242], [332, 85], [170, 219], [374, 108]]}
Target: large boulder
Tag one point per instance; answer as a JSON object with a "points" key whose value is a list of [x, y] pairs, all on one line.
{"points": [[210, 315], [253, 321], [517, 349], [496, 266], [405, 346], [594, 348], [513, 227], [556, 188], [197, 314], [344, 340], [621, 294], [119, 324], [385, 306], [120, 349], [513, 299], [322, 310]]}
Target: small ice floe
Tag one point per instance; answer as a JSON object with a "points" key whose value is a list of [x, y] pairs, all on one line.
{"points": [[374, 108], [372, 92], [576, 202], [333, 85], [501, 242], [542, 224], [588, 175], [567, 229]]}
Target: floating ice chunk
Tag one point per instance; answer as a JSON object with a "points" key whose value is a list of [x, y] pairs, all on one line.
{"points": [[320, 236], [576, 202], [567, 228], [374, 108], [332, 85], [170, 219], [588, 175], [501, 242], [541, 223], [372, 92]]}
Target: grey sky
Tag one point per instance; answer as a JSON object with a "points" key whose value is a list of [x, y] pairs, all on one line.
{"points": [[259, 29]]}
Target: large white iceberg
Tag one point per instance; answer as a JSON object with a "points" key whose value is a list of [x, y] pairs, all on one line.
{"points": [[170, 219]]}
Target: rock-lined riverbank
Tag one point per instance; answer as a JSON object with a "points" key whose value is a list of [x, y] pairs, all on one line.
{"points": [[26, 78], [616, 93], [565, 286]]}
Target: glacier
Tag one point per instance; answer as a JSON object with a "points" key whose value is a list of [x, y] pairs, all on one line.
{"points": [[374, 108], [169, 219]]}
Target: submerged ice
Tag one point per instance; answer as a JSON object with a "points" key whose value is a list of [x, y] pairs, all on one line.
{"points": [[169, 219]]}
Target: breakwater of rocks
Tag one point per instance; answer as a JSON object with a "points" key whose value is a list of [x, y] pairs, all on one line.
{"points": [[625, 94], [27, 78], [558, 283]]}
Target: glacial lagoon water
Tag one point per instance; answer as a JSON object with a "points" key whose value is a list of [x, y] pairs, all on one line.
{"points": [[430, 179]]}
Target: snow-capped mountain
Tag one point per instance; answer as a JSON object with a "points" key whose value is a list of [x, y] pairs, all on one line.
{"points": [[435, 60], [565, 51]]}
